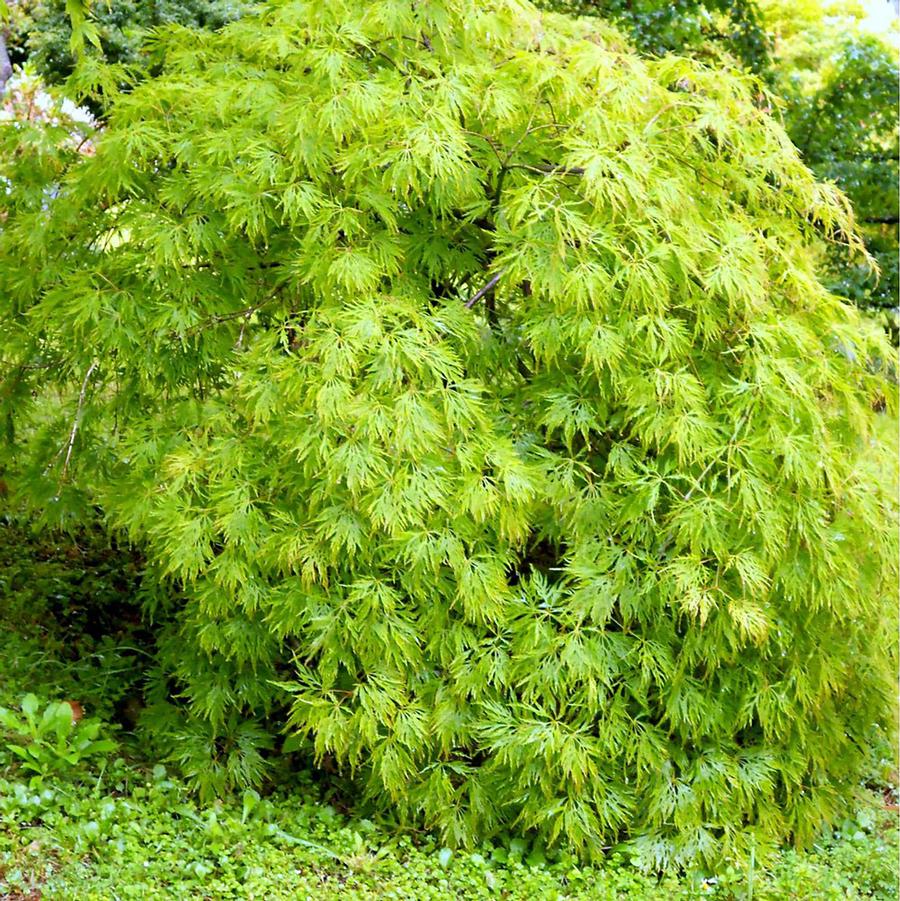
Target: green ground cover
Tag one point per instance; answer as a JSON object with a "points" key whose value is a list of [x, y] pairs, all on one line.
{"points": [[146, 839]]}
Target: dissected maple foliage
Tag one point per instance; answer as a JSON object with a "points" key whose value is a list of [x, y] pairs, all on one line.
{"points": [[471, 378]]}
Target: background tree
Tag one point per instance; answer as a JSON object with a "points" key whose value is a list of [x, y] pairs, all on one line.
{"points": [[703, 28], [840, 90], [15, 19], [41, 30]]}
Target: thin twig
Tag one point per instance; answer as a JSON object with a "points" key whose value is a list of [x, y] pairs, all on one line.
{"points": [[546, 169], [83, 141], [77, 421], [653, 118], [504, 166], [227, 317], [698, 172], [488, 141], [553, 113], [488, 287], [705, 473], [522, 137], [240, 339]]}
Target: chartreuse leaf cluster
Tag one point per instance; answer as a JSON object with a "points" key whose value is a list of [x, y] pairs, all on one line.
{"points": [[470, 379]]}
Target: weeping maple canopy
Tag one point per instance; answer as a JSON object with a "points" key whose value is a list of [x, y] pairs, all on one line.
{"points": [[470, 378]]}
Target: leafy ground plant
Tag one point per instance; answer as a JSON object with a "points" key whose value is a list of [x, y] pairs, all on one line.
{"points": [[52, 738], [144, 837]]}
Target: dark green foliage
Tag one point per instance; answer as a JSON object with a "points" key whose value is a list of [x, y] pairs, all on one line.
{"points": [[18, 20], [70, 607], [699, 27], [43, 29], [469, 379]]}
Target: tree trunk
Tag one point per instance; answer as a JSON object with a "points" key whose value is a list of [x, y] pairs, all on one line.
{"points": [[5, 64]]}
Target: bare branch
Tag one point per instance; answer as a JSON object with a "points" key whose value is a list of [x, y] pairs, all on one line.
{"points": [[482, 291], [77, 421], [244, 322], [546, 169], [246, 312]]}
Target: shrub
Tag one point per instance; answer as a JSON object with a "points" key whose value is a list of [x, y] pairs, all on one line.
{"points": [[471, 380]]}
